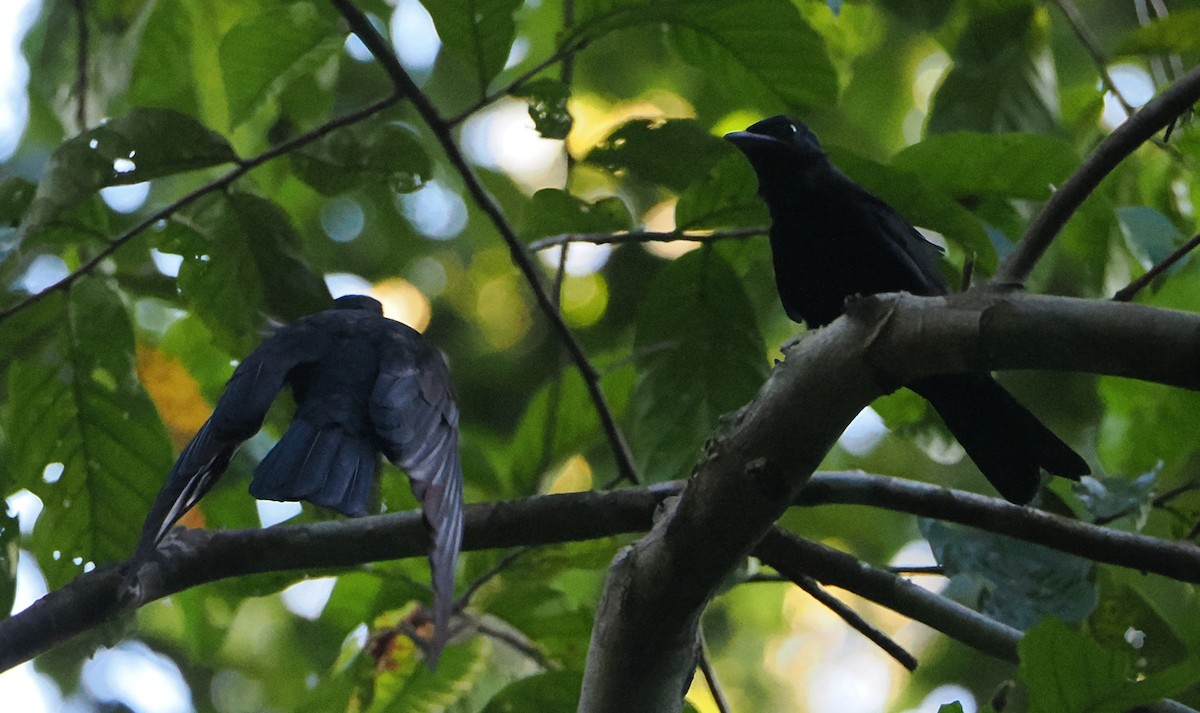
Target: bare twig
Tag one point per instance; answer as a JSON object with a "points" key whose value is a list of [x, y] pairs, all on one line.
{"points": [[791, 554], [517, 643], [710, 676], [221, 183], [521, 256], [505, 562], [81, 64], [646, 236], [1128, 292], [852, 618], [563, 52], [1139, 128], [1092, 46], [934, 570]]}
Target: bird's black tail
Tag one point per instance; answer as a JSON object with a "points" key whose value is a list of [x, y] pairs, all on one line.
{"points": [[1007, 442], [325, 466]]}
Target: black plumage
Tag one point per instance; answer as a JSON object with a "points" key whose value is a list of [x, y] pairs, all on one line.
{"points": [[363, 384], [830, 240]]}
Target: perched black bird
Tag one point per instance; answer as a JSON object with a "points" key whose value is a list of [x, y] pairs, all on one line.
{"points": [[830, 240], [363, 384]]}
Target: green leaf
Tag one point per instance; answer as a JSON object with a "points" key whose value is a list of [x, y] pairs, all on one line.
{"points": [[954, 707], [1017, 582], [241, 260], [551, 692], [674, 153], [966, 164], [1067, 672], [16, 195], [163, 74], [699, 355], [358, 155], [548, 106], [921, 205], [478, 32], [1149, 235], [144, 144], [726, 197], [1000, 79], [560, 420], [1176, 33], [751, 48], [1111, 498], [262, 55], [401, 683], [554, 212], [1132, 437], [10, 551], [74, 400]]}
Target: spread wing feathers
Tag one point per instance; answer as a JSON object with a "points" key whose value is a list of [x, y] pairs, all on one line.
{"points": [[416, 421], [326, 466], [238, 415]]}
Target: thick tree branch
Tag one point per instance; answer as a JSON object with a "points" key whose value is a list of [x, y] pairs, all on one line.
{"points": [[521, 256], [1158, 113], [94, 597], [1178, 560], [643, 643], [192, 557]]}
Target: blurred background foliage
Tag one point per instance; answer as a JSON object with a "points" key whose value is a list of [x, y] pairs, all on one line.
{"points": [[591, 116]]}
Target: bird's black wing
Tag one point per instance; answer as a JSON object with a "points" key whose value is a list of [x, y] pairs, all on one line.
{"points": [[415, 417], [238, 415], [905, 244]]}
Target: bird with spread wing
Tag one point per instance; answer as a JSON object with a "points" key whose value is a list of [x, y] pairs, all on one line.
{"points": [[363, 384]]}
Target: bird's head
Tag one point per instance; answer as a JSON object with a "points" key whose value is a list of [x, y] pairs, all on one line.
{"points": [[359, 302], [776, 143]]}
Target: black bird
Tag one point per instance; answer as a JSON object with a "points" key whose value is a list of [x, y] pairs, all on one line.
{"points": [[830, 240], [363, 384]]}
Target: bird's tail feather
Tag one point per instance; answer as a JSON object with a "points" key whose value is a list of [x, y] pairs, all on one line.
{"points": [[1007, 442], [435, 473], [326, 466], [198, 467]]}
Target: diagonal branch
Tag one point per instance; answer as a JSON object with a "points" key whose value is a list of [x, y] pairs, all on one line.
{"points": [[1139, 128], [643, 642], [521, 256]]}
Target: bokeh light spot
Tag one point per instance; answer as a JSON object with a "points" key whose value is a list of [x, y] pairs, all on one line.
{"points": [[342, 219]]}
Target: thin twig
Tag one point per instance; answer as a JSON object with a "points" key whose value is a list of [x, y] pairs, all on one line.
{"points": [[558, 56], [646, 236], [1139, 128], [796, 556], [1092, 47], [1127, 293], [710, 676], [517, 643], [504, 563], [521, 256], [933, 570], [224, 181], [854, 620], [81, 64]]}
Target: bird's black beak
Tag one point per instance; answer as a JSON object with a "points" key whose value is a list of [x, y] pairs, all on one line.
{"points": [[747, 140]]}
